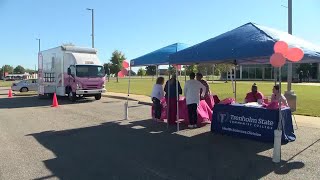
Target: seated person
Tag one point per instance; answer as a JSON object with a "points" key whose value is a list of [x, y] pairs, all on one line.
{"points": [[276, 94], [254, 95]]}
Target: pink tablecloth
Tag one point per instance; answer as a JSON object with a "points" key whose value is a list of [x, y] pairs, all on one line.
{"points": [[204, 110]]}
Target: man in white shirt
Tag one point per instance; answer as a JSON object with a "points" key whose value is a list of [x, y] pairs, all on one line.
{"points": [[191, 91]]}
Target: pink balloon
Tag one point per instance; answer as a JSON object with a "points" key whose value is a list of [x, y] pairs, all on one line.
{"points": [[295, 54], [277, 60], [124, 72], [281, 47], [120, 74], [125, 64]]}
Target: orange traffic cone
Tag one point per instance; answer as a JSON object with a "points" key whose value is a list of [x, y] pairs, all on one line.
{"points": [[55, 101], [10, 93]]}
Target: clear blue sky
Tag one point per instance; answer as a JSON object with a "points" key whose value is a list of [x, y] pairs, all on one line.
{"points": [[139, 26]]}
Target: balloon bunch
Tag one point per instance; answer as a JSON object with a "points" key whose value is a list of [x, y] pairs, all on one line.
{"points": [[124, 71], [282, 51]]}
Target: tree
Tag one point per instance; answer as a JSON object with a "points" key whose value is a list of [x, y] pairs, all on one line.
{"points": [[19, 70], [116, 62], [6, 68], [30, 70], [191, 68], [106, 67], [151, 71], [205, 69], [224, 69], [141, 72], [171, 70]]}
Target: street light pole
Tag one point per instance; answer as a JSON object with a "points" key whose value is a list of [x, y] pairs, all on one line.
{"points": [[290, 94], [39, 42], [92, 25], [290, 32]]}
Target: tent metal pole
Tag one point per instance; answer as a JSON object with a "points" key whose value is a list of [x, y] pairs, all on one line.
{"points": [[185, 73], [235, 83], [157, 71], [280, 100], [127, 103], [177, 92], [275, 76], [168, 99], [232, 82], [213, 72]]}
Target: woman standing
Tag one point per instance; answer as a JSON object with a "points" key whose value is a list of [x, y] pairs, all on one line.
{"points": [[200, 78], [156, 96], [171, 98]]}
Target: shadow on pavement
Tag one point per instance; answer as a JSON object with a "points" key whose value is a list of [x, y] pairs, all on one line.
{"points": [[34, 101], [147, 150]]}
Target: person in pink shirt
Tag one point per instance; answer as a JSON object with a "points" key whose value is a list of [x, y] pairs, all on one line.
{"points": [[254, 95], [276, 95]]}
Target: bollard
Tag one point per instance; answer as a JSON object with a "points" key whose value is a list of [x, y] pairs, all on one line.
{"points": [[277, 146], [126, 116]]}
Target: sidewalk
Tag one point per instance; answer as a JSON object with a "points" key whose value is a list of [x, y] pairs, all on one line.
{"points": [[133, 97], [305, 121]]}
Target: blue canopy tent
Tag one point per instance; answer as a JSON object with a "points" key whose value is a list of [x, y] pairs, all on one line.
{"points": [[155, 58], [247, 44], [158, 57]]}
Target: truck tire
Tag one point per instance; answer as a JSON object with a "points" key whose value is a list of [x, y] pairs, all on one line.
{"points": [[72, 96], [97, 96]]}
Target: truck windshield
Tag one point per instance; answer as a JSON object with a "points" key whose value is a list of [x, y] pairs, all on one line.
{"points": [[89, 71]]}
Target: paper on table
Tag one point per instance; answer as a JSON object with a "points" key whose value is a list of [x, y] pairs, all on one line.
{"points": [[252, 104]]}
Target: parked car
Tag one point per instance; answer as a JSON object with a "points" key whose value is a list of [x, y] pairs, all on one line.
{"points": [[25, 85]]}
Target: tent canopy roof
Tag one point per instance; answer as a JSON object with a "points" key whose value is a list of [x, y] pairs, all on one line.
{"points": [[247, 44], [158, 57]]}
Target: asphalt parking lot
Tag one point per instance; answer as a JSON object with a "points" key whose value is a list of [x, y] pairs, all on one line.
{"points": [[90, 140]]}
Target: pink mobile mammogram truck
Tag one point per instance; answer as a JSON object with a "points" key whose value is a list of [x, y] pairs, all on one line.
{"points": [[70, 71]]}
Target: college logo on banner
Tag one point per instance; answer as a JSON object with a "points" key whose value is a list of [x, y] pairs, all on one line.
{"points": [[223, 117]]}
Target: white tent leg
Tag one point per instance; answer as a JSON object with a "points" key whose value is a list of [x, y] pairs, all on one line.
{"points": [[126, 104], [278, 132]]}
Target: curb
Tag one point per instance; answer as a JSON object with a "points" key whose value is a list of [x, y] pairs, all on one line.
{"points": [[125, 98], [145, 103], [30, 94], [118, 97]]}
